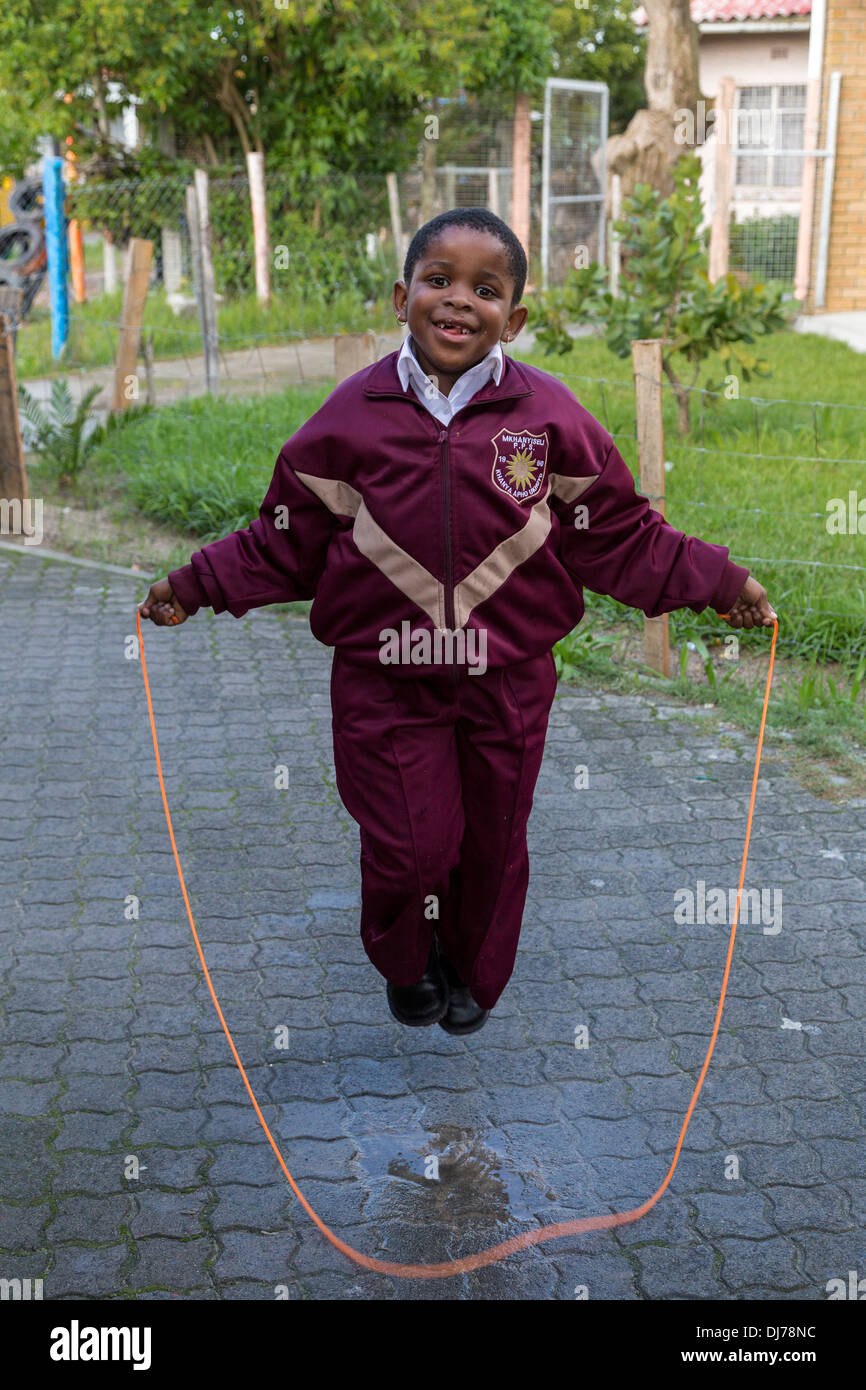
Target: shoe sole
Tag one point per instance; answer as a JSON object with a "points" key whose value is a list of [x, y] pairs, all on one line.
{"points": [[418, 1022], [462, 1032]]}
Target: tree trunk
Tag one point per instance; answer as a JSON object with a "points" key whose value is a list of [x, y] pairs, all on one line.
{"points": [[102, 120], [683, 395], [647, 150], [241, 129], [166, 138], [230, 101], [671, 72]]}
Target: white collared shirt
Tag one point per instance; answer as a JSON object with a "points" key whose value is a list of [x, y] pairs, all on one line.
{"points": [[444, 408]]}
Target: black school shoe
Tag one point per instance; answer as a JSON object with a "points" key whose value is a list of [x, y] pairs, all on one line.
{"points": [[424, 1003], [463, 1015]]}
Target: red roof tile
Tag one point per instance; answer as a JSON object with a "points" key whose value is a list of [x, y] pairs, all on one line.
{"points": [[718, 11]]}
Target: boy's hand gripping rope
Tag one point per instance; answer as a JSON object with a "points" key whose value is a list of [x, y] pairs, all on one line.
{"points": [[557, 1229]]}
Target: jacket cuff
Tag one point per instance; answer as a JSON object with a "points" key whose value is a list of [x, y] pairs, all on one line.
{"points": [[188, 589], [730, 587]]}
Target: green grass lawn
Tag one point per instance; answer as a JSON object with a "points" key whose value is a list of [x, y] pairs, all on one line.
{"points": [[204, 466], [757, 474]]}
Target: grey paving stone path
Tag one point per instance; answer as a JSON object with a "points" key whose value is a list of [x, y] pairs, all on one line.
{"points": [[112, 1054]]}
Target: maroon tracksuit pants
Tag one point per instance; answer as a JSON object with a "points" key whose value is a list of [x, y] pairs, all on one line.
{"points": [[439, 772]]}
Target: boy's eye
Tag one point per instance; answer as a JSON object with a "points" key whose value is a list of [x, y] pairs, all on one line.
{"points": [[478, 288]]}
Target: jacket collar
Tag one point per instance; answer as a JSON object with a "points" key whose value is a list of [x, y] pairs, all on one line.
{"points": [[383, 380]]}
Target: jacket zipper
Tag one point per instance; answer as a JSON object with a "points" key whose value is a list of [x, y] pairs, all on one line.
{"points": [[445, 470]]}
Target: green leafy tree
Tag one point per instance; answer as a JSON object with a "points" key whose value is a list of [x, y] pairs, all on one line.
{"points": [[666, 293], [57, 60], [599, 43], [320, 86]]}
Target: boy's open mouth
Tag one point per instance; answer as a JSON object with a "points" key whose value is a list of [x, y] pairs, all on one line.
{"points": [[453, 329]]}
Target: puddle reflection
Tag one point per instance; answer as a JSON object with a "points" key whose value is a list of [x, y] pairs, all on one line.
{"points": [[456, 1173]]}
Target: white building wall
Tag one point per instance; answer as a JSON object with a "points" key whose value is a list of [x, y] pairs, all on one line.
{"points": [[753, 60]]}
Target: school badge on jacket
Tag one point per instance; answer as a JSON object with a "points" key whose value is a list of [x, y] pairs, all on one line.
{"points": [[518, 462]]}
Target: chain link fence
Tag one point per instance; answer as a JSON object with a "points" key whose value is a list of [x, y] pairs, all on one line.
{"points": [[767, 175], [341, 248], [764, 248]]}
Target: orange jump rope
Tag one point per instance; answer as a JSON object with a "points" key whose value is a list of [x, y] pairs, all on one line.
{"points": [[557, 1229]]}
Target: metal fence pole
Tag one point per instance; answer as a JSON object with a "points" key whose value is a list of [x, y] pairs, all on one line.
{"points": [[647, 361], [602, 175], [827, 190], [814, 81]]}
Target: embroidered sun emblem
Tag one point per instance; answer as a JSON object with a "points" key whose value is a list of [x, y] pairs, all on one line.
{"points": [[520, 468]]}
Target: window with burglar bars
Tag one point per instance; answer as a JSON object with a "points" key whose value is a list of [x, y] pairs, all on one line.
{"points": [[770, 120]]}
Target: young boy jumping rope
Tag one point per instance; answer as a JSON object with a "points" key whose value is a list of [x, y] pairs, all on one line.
{"points": [[444, 509]]}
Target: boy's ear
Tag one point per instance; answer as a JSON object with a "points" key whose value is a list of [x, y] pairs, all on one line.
{"points": [[401, 295], [516, 322]]}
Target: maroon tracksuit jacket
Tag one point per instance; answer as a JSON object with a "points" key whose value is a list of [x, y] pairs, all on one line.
{"points": [[487, 530]]}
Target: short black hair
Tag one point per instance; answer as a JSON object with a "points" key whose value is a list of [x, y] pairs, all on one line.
{"points": [[482, 220]]}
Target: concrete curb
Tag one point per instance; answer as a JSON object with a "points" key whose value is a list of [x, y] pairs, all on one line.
{"points": [[38, 552]]}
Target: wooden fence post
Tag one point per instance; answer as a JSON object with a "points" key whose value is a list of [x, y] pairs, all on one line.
{"points": [[76, 261], [172, 260], [109, 264], [13, 475], [191, 211], [129, 338], [647, 362], [724, 138], [193, 223], [256, 178], [208, 284], [615, 214], [352, 351], [521, 177], [11, 301], [400, 241]]}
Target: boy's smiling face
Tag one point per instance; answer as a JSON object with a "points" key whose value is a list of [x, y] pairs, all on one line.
{"points": [[458, 302]]}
